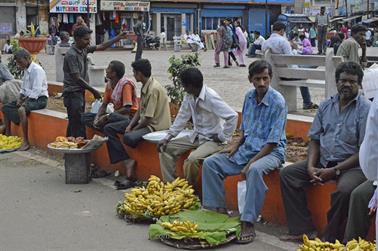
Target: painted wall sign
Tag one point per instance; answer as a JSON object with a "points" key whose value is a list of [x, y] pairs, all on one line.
{"points": [[73, 6], [111, 5]]}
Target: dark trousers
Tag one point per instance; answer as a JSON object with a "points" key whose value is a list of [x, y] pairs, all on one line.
{"points": [[253, 48], [116, 150], [138, 54], [10, 110], [75, 104], [89, 117], [294, 179], [313, 43], [306, 96], [358, 217], [231, 55], [322, 37]]}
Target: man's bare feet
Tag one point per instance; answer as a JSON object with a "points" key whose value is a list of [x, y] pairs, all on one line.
{"points": [[24, 147], [247, 234]]}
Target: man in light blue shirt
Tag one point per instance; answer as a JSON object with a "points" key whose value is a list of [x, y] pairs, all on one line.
{"points": [[208, 112], [277, 43], [261, 149]]}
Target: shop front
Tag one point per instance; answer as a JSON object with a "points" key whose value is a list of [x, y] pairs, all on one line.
{"points": [[63, 14], [117, 15], [173, 19]]}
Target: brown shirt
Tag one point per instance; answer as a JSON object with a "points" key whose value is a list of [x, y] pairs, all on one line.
{"points": [[155, 104]]}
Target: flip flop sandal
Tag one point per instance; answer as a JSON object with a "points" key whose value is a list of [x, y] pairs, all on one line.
{"points": [[126, 184], [245, 239]]}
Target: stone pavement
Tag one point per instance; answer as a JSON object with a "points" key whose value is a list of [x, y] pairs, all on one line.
{"points": [[39, 212], [231, 84]]}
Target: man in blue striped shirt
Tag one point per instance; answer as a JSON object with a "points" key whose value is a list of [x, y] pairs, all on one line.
{"points": [[261, 149]]}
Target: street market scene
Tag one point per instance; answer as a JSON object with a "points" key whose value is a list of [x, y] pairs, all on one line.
{"points": [[163, 125]]}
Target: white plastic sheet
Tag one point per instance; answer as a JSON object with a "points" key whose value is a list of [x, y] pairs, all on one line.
{"points": [[370, 81], [242, 190]]}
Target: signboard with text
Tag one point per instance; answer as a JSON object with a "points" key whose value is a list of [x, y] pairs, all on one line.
{"points": [[73, 6], [111, 5]]}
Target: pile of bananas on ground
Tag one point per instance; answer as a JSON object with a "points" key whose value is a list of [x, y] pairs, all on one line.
{"points": [[318, 245], [360, 245], [68, 142], [9, 142], [158, 199], [183, 227]]}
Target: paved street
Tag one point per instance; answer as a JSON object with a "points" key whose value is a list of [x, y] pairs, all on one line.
{"points": [[231, 84], [39, 212]]}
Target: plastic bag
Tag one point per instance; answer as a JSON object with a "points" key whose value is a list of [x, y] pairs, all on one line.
{"points": [[242, 190], [97, 104]]}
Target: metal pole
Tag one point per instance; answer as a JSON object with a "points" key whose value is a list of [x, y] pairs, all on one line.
{"points": [[266, 18], [38, 12], [88, 13]]}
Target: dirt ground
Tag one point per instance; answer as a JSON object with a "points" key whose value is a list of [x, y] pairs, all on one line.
{"points": [[56, 103]]}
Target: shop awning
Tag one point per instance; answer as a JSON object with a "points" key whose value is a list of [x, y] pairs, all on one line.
{"points": [[371, 20], [303, 20], [336, 19], [349, 19]]}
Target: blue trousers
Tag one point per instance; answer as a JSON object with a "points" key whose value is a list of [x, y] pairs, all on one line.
{"points": [[217, 167]]}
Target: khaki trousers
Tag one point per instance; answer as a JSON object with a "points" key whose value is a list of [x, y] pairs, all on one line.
{"points": [[179, 146]]}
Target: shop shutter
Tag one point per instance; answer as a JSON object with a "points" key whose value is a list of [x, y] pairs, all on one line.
{"points": [[7, 21]]}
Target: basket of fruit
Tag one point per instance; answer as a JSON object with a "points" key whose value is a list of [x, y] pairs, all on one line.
{"points": [[195, 229], [157, 199], [9, 143]]}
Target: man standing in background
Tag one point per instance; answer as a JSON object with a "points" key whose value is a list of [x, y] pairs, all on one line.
{"points": [[321, 22], [138, 29]]}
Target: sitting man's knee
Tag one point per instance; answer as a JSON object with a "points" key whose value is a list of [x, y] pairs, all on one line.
{"points": [[130, 140], [192, 160]]}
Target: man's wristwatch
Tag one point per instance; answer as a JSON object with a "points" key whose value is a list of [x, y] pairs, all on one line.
{"points": [[337, 172]]}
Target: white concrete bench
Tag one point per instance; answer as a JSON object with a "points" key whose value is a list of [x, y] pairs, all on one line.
{"points": [[292, 71]]}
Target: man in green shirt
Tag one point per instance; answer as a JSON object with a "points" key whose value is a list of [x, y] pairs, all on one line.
{"points": [[349, 47]]}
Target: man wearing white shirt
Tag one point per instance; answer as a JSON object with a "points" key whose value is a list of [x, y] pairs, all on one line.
{"points": [[207, 110], [369, 151], [33, 95], [257, 44]]}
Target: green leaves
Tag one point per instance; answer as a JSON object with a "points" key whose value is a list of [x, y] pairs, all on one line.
{"points": [[176, 66]]}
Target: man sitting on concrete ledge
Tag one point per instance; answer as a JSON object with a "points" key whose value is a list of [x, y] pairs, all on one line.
{"points": [[119, 91], [207, 110], [335, 139], [152, 115], [260, 150], [33, 96]]}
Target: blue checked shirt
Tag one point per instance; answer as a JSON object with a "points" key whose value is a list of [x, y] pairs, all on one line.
{"points": [[262, 124], [340, 133]]}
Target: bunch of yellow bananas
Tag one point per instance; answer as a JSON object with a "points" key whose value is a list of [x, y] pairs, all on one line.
{"points": [[353, 245], [9, 142], [158, 198], [318, 245], [184, 227], [360, 245]]}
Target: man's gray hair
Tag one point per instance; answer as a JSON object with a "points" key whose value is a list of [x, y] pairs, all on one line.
{"points": [[22, 53]]}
